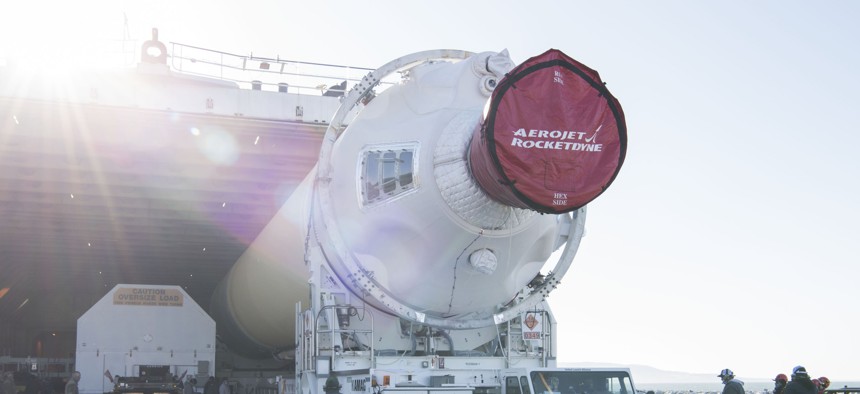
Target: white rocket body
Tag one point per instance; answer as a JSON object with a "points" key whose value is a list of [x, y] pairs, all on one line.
{"points": [[397, 201]]}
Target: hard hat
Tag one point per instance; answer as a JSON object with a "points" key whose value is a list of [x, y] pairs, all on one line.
{"points": [[726, 372], [799, 371], [781, 377]]}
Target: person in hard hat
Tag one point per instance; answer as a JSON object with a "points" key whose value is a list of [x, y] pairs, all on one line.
{"points": [[732, 385], [72, 384], [824, 383], [779, 383], [800, 382]]}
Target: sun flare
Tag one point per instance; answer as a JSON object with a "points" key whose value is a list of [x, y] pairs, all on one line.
{"points": [[54, 37]]}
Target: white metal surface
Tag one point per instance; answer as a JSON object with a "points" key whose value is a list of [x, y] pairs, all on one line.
{"points": [[410, 254], [406, 254]]}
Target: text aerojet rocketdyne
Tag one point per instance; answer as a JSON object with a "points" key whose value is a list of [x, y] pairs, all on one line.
{"points": [[561, 137]]}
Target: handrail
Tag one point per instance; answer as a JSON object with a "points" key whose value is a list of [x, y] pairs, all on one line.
{"points": [[242, 69], [333, 329], [278, 59], [514, 337]]}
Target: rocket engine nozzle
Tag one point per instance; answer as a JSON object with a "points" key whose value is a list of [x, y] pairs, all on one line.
{"points": [[554, 138]]}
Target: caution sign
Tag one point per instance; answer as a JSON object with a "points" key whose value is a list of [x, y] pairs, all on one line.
{"points": [[532, 325], [147, 296]]}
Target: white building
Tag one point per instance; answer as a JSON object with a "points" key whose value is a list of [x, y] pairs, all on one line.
{"points": [[134, 325]]}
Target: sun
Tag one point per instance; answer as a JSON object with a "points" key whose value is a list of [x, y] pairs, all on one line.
{"points": [[51, 36]]}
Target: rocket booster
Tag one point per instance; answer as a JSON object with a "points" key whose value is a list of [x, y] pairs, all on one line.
{"points": [[441, 200]]}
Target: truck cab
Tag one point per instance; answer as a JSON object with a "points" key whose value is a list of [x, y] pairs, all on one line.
{"points": [[567, 381]]}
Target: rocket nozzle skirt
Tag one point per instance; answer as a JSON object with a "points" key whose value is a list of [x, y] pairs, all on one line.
{"points": [[554, 138]]}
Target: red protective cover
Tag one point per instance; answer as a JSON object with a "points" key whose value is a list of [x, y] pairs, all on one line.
{"points": [[554, 137]]}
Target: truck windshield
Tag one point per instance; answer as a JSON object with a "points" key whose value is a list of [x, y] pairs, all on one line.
{"points": [[581, 382]]}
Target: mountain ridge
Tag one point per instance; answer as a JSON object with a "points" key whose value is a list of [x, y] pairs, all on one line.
{"points": [[647, 374]]}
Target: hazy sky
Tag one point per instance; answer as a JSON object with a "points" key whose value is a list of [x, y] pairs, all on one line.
{"points": [[730, 237]]}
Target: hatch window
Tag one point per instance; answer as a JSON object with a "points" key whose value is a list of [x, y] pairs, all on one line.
{"points": [[387, 173]]}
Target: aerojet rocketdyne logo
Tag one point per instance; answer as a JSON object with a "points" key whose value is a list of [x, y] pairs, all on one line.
{"points": [[568, 140]]}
